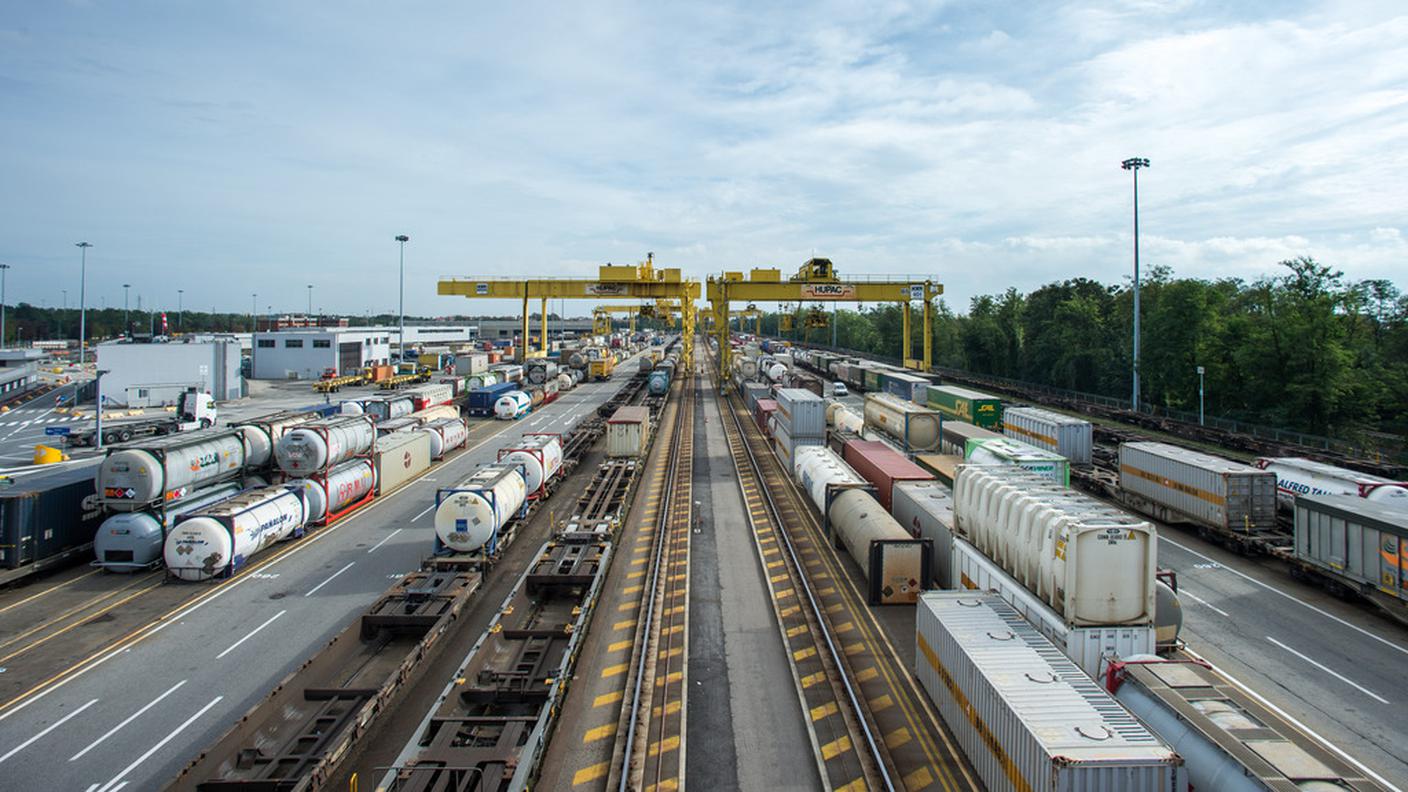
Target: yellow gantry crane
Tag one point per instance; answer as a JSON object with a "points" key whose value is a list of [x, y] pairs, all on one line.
{"points": [[640, 282], [817, 281]]}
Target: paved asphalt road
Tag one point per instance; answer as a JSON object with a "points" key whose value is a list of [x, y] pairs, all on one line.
{"points": [[134, 719]]}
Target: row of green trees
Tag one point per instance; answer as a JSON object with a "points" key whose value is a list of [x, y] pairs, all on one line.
{"points": [[1305, 349]]}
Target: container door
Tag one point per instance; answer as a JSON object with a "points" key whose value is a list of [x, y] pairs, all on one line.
{"points": [[349, 357]]}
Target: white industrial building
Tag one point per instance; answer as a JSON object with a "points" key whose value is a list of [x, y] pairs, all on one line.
{"points": [[308, 352], [153, 375], [429, 335]]}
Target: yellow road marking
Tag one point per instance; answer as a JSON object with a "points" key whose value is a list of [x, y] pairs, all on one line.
{"points": [[881, 703], [619, 645], [589, 773], [599, 733], [624, 625], [918, 779], [897, 738], [608, 698], [835, 747], [803, 654], [866, 674], [613, 670], [661, 746], [829, 708]]}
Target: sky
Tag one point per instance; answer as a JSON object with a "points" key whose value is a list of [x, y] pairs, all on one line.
{"points": [[236, 148]]}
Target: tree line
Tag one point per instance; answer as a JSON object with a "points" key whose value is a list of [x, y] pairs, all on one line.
{"points": [[1305, 349]]}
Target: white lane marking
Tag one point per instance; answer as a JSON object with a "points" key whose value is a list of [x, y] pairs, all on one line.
{"points": [[26, 423], [1332, 672], [387, 539], [113, 785], [252, 633], [129, 719], [56, 724], [1203, 602], [330, 578], [1291, 597], [424, 512], [1286, 716]]}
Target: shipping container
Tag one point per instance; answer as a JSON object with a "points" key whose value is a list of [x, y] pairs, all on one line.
{"points": [[1026, 717], [1299, 476], [925, 509], [1176, 485], [954, 436], [943, 466], [471, 363], [802, 412], [481, 400], [785, 445], [870, 379], [1006, 451], [628, 432], [762, 412], [46, 519], [962, 404], [906, 386], [1063, 434], [882, 466], [400, 458], [1361, 543], [752, 391], [1091, 647]]}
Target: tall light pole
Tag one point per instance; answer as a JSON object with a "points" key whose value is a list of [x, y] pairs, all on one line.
{"points": [[180, 310], [1134, 164], [401, 309], [126, 309], [83, 303], [253, 299], [3, 267], [1200, 395], [310, 302]]}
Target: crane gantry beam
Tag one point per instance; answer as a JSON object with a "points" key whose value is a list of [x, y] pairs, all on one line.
{"points": [[816, 281], [642, 281]]}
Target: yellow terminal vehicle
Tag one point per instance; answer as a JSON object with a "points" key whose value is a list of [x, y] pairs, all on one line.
{"points": [[601, 367]]}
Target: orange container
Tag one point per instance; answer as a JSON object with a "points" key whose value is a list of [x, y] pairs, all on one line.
{"points": [[494, 357]]}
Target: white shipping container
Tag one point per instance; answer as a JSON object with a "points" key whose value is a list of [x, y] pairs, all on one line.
{"points": [[400, 458], [1066, 435], [628, 432], [1026, 717], [1090, 647], [802, 412], [787, 445], [925, 509], [1176, 484], [472, 363], [1006, 451], [1299, 476]]}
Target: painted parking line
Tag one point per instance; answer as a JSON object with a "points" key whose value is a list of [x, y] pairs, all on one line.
{"points": [[1337, 675], [1190, 595], [56, 724]]}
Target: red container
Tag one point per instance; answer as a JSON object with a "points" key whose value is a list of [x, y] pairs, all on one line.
{"points": [[882, 466], [762, 411], [495, 357]]}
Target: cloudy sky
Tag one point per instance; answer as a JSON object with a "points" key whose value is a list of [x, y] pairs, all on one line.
{"points": [[226, 148]]}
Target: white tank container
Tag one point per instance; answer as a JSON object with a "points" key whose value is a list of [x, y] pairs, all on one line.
{"points": [[915, 426], [776, 372], [220, 539], [473, 511], [1300, 476], [843, 419], [512, 405], [435, 413], [539, 454], [1092, 563], [351, 408], [320, 446], [343, 486], [447, 434], [132, 540], [168, 469], [565, 382], [815, 467], [389, 407], [261, 434]]}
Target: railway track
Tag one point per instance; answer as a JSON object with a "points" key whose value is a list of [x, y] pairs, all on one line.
{"points": [[650, 749], [908, 743]]}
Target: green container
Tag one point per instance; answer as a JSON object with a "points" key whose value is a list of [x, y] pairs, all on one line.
{"points": [[979, 409], [872, 380]]}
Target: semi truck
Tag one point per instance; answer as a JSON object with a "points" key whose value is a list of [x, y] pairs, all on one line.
{"points": [[194, 410]]}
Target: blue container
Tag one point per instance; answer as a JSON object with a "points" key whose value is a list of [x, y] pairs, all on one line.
{"points": [[481, 400], [906, 386], [659, 382]]}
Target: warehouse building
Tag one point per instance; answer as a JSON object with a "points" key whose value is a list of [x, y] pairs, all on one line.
{"points": [[493, 329], [19, 369], [307, 353], [154, 375]]}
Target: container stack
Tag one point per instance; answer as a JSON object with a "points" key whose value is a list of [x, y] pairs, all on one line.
{"points": [[800, 420]]}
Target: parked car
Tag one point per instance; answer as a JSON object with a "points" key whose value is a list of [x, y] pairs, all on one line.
{"points": [[839, 389]]}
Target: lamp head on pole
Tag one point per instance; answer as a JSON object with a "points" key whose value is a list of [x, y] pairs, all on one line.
{"points": [[1135, 163], [402, 238], [82, 245]]}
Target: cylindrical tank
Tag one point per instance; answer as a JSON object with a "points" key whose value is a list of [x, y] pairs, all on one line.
{"points": [[132, 540], [659, 382], [888, 414], [646, 364], [538, 371], [386, 408], [748, 368], [565, 382], [511, 405], [577, 359], [436, 413], [473, 511], [841, 418], [343, 486], [776, 372], [535, 396], [221, 538], [317, 447], [260, 434], [539, 454], [815, 467], [168, 469], [1168, 614], [446, 434], [858, 521], [350, 407]]}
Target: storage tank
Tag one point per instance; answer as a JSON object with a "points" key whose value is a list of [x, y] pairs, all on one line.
{"points": [[388, 407], [343, 486], [321, 445], [447, 434], [815, 467], [133, 540], [168, 469], [541, 458], [1300, 476], [565, 382], [659, 382], [1092, 563], [350, 407], [914, 426], [512, 405], [646, 364], [843, 419], [775, 372], [471, 513], [435, 413], [538, 371], [263, 433], [221, 538]]}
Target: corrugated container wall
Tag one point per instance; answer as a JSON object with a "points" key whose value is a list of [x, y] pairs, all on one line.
{"points": [[1359, 541], [925, 509], [1070, 437], [1209, 489], [1024, 714], [400, 458], [628, 432], [980, 409], [956, 434], [786, 444], [802, 412], [752, 391], [42, 517], [882, 466], [905, 386]]}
